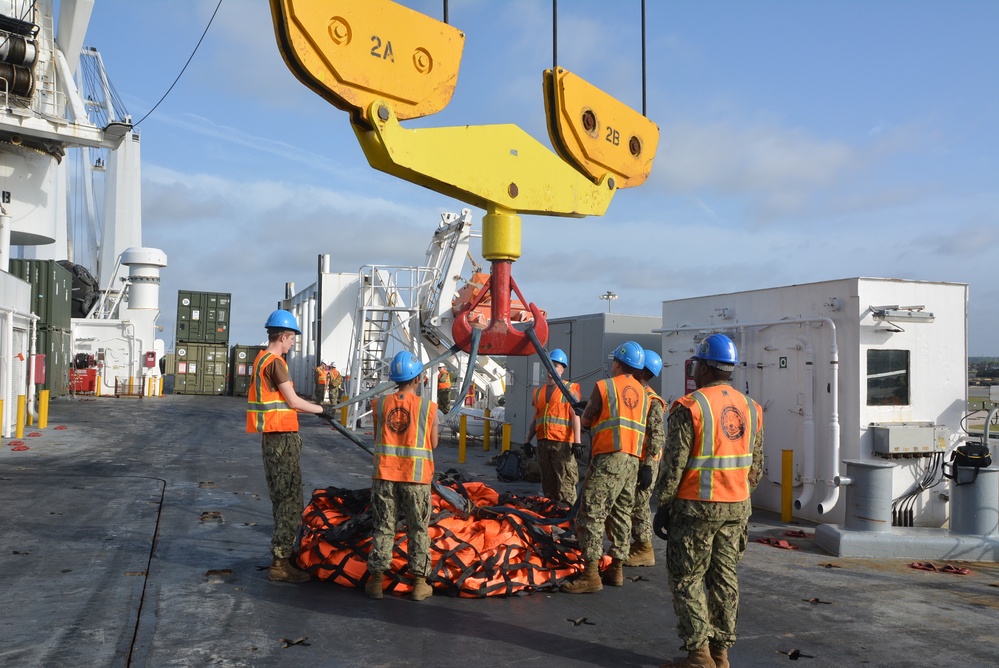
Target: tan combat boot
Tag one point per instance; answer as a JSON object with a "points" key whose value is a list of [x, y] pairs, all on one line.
{"points": [[421, 589], [698, 658], [614, 576], [586, 582], [641, 555], [720, 657], [282, 570], [373, 588]]}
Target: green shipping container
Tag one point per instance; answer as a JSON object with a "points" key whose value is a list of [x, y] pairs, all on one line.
{"points": [[51, 291], [201, 368], [203, 317], [57, 346], [241, 368]]}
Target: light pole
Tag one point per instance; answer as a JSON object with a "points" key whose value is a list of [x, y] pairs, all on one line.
{"points": [[609, 297]]}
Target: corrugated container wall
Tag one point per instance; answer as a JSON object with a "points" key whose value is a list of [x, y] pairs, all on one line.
{"points": [[57, 346], [588, 341], [203, 317], [201, 368], [51, 290], [241, 368]]}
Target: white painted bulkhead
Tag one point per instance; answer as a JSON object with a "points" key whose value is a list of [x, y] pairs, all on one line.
{"points": [[797, 343], [325, 313]]}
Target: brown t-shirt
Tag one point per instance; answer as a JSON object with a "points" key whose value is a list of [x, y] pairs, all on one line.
{"points": [[276, 373]]}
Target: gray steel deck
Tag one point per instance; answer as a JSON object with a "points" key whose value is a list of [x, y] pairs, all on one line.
{"points": [[137, 536]]}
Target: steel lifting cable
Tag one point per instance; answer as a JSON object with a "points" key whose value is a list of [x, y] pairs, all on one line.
{"points": [[555, 47], [183, 69]]}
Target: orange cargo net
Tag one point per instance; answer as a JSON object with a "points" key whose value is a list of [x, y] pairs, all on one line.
{"points": [[500, 550]]}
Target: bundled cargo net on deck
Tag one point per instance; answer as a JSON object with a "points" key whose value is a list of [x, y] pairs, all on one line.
{"points": [[507, 544]]}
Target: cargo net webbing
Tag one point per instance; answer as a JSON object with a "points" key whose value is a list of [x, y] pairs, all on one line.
{"points": [[508, 544]]}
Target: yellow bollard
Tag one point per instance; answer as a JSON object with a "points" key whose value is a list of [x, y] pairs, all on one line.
{"points": [[43, 409], [161, 386], [19, 432], [786, 484], [462, 437], [131, 381], [343, 414], [485, 431], [97, 385], [29, 419], [506, 436]]}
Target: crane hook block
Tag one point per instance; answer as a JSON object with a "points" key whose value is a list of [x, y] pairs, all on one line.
{"points": [[499, 336], [352, 52], [596, 133]]}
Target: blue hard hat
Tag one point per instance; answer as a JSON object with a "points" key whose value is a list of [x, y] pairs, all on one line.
{"points": [[717, 348], [405, 366], [558, 355], [631, 354], [653, 362], [281, 319]]}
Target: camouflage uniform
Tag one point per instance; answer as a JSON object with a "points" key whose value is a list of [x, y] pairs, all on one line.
{"points": [[412, 501], [559, 471], [706, 542], [655, 440], [282, 452], [608, 498]]}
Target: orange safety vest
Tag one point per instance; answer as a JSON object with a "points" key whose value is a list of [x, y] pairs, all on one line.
{"points": [[620, 427], [334, 376], [321, 374], [726, 423], [652, 397], [554, 415], [266, 410], [402, 438], [443, 381]]}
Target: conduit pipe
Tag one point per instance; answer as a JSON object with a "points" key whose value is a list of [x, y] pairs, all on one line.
{"points": [[832, 494]]}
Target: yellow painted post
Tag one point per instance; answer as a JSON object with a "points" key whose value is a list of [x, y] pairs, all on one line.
{"points": [[97, 385], [43, 409], [161, 386], [506, 436], [131, 380], [462, 438], [29, 419], [786, 484], [19, 432], [343, 414], [485, 431]]}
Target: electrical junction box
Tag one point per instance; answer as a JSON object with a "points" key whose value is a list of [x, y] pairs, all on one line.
{"points": [[909, 439]]}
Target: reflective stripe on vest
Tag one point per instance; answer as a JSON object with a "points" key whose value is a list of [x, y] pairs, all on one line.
{"points": [[620, 427], [402, 445], [726, 423], [321, 374], [266, 409], [554, 416]]}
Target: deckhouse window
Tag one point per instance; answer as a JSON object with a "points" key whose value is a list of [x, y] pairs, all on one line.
{"points": [[887, 377]]}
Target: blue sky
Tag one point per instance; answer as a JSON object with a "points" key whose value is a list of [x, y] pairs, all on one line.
{"points": [[800, 142]]}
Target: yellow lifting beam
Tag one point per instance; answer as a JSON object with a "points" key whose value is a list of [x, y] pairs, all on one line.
{"points": [[596, 133]]}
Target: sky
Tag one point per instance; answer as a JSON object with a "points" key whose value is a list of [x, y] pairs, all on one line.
{"points": [[799, 142]]}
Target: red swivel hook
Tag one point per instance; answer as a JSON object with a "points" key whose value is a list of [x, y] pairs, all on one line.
{"points": [[499, 337]]}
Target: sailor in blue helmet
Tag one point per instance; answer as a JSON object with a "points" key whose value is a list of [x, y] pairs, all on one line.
{"points": [[615, 414], [272, 410], [556, 426], [641, 553], [713, 460], [405, 438]]}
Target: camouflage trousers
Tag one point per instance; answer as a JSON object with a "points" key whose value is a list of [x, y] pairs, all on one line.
{"points": [[559, 471], [641, 514], [320, 393], [444, 400], [702, 556], [389, 500], [282, 452], [608, 499]]}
